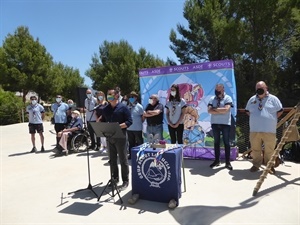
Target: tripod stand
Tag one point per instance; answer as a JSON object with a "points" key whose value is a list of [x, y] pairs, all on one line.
{"points": [[109, 130], [89, 187]]}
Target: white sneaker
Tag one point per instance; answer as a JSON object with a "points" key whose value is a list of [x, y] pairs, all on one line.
{"points": [[133, 199], [172, 204]]}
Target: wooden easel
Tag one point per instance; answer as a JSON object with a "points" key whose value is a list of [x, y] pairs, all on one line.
{"points": [[289, 132]]}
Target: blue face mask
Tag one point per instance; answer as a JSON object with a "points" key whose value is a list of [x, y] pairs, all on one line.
{"points": [[131, 100]]}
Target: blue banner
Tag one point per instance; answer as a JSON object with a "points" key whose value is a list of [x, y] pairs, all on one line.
{"points": [[196, 85]]}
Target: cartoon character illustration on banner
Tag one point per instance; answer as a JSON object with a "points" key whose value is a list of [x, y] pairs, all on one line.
{"points": [[192, 94], [193, 134]]}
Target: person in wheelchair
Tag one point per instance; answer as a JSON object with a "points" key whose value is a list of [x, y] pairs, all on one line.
{"points": [[72, 129]]}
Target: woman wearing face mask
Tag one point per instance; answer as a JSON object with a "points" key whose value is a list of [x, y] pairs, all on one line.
{"points": [[99, 108], [59, 108], [175, 114], [71, 108], [135, 131], [75, 125]]}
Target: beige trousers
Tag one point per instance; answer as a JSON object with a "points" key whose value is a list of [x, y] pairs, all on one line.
{"points": [[262, 141]]}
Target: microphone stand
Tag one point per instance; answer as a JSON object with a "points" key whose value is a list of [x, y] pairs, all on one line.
{"points": [[89, 187]]}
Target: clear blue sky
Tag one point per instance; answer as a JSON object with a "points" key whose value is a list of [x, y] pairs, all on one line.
{"points": [[73, 30]]}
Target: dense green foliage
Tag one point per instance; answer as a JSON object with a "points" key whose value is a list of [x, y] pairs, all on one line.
{"points": [[262, 37], [10, 108], [25, 66], [117, 64]]}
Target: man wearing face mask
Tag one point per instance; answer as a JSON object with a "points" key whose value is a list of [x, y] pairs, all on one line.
{"points": [[175, 113], [90, 103], [263, 109], [154, 114], [135, 131], [219, 107], [60, 110], [117, 112], [36, 115]]}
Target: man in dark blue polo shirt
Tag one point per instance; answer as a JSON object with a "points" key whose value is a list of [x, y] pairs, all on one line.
{"points": [[154, 114], [118, 112]]}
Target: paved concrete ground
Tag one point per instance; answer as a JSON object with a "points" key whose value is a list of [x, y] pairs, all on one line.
{"points": [[35, 187]]}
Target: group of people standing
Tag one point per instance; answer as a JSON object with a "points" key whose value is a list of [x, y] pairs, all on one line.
{"points": [[263, 109]]}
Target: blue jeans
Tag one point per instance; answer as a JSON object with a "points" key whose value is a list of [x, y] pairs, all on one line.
{"points": [[225, 130], [157, 129]]}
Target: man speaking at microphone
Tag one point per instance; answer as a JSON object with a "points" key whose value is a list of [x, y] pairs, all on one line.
{"points": [[117, 112]]}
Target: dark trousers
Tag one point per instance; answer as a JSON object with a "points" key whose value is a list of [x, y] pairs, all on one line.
{"points": [[58, 127], [117, 147], [92, 135], [176, 134], [135, 138], [225, 130]]}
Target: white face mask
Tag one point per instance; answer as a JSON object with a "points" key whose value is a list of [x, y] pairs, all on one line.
{"points": [[173, 93], [100, 98], [150, 101], [33, 102], [58, 100], [89, 95]]}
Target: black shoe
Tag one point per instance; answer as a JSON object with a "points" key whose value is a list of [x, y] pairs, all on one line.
{"points": [[42, 149], [91, 148], [33, 150], [115, 180], [228, 166], [124, 186], [97, 148], [54, 150], [214, 164]]}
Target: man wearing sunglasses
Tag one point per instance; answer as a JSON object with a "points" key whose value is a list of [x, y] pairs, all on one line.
{"points": [[263, 109]]}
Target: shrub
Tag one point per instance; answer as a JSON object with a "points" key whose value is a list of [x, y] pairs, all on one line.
{"points": [[10, 108]]}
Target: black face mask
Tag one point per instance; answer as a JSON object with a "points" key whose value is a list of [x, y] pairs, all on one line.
{"points": [[260, 91], [217, 93]]}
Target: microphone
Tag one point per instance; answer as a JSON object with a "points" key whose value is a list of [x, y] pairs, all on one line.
{"points": [[96, 107]]}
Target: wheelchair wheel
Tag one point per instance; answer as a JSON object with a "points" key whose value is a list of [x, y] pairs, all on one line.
{"points": [[79, 142]]}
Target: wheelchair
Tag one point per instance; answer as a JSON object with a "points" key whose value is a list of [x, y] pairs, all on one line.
{"points": [[80, 141]]}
